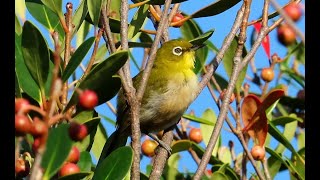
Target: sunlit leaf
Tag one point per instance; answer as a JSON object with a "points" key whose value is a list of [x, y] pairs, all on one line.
{"points": [[137, 21], [77, 58], [54, 5], [159, 2], [57, 150], [215, 8], [85, 161], [224, 154], [94, 8], [288, 133], [206, 130], [99, 140], [121, 160], [197, 119], [78, 18], [18, 28]]}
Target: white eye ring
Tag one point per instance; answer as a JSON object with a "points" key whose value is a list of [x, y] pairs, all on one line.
{"points": [[177, 51]]}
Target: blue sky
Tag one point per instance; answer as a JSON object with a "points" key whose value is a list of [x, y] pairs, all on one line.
{"points": [[222, 24]]}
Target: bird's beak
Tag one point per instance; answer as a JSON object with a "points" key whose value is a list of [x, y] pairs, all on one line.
{"points": [[196, 47]]}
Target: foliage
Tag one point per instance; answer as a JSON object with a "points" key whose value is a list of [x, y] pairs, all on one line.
{"points": [[44, 67]]}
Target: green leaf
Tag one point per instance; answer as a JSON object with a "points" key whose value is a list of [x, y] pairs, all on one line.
{"points": [[82, 33], [94, 7], [215, 8], [101, 53], [137, 21], [116, 165], [74, 176], [45, 16], [17, 90], [101, 80], [283, 120], [198, 120], [109, 120], [84, 161], [18, 28], [57, 150], [181, 145], [26, 82], [202, 38], [228, 63], [206, 130], [76, 58], [145, 38], [274, 165], [191, 30], [279, 136], [301, 140], [288, 133], [35, 53], [79, 16], [171, 171], [226, 170], [224, 154], [219, 176], [54, 5], [99, 140]]}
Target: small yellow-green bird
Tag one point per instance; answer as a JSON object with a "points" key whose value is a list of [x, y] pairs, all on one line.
{"points": [[171, 88]]}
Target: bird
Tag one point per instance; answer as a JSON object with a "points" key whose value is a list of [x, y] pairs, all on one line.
{"points": [[172, 86]]}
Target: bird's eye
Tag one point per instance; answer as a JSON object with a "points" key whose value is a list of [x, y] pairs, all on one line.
{"points": [[177, 50]]}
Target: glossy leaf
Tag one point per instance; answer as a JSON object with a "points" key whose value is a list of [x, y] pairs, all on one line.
{"points": [[202, 38], [79, 16], [99, 140], [146, 38], [76, 58], [74, 176], [221, 81], [35, 53], [279, 137], [101, 80], [26, 82], [85, 161], [288, 133], [17, 25], [283, 120], [45, 16], [228, 63], [212, 47], [198, 120], [299, 165], [274, 165], [226, 170], [57, 150], [94, 8], [191, 30], [171, 171], [138, 21], [101, 53], [17, 89], [121, 160], [54, 5], [206, 130], [215, 8]]}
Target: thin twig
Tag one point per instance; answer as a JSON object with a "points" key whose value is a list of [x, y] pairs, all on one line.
{"points": [[67, 49], [111, 107], [214, 65], [266, 169]]}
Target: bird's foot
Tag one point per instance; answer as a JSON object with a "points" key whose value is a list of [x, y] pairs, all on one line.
{"points": [[161, 143]]}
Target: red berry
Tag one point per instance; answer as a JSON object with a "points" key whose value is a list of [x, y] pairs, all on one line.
{"points": [[68, 169], [222, 94], [195, 135], [22, 125], [39, 128], [258, 152], [88, 99], [21, 104], [293, 11], [177, 17], [77, 132], [74, 155], [22, 168], [267, 74], [286, 35], [148, 147]]}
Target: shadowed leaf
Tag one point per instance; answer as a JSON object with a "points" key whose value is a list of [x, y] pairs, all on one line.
{"points": [[215, 8], [94, 8], [137, 21]]}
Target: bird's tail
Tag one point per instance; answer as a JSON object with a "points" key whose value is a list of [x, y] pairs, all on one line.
{"points": [[115, 140]]}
